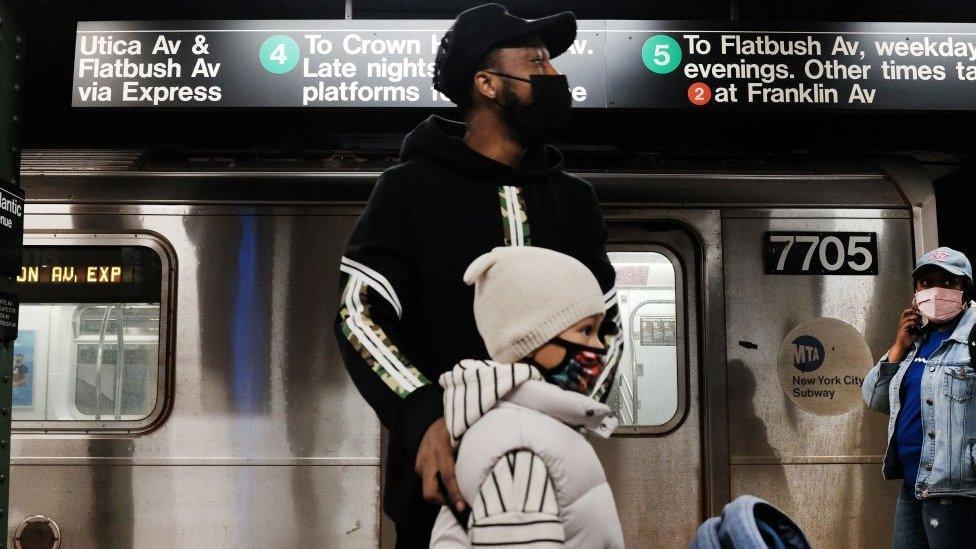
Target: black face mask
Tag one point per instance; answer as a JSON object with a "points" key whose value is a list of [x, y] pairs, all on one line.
{"points": [[580, 369], [548, 114]]}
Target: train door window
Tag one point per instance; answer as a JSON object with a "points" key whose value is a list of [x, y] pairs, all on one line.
{"points": [[647, 389], [90, 350]]}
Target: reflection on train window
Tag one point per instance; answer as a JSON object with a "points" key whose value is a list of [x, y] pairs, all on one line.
{"points": [[126, 380], [646, 390], [65, 351], [88, 351]]}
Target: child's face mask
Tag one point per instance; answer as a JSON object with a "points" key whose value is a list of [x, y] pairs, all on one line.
{"points": [[579, 370], [939, 304]]}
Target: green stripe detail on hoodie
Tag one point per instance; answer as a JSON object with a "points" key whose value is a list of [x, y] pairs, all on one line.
{"points": [[515, 219]]}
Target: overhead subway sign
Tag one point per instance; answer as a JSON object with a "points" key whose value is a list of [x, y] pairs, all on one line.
{"points": [[612, 64]]}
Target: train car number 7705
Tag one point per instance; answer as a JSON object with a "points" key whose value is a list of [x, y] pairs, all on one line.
{"points": [[813, 253]]}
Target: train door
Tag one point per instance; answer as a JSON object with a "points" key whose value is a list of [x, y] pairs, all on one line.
{"points": [[654, 462], [813, 450]]}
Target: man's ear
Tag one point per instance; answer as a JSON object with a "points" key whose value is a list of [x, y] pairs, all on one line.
{"points": [[485, 85]]}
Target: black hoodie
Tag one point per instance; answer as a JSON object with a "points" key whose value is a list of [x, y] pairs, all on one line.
{"points": [[405, 314]]}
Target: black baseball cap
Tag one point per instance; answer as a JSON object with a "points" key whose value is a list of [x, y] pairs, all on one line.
{"points": [[480, 29]]}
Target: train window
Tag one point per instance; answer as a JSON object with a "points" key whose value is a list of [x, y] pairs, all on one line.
{"points": [[657, 331], [646, 390], [90, 349]]}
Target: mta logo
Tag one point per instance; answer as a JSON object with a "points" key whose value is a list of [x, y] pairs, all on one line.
{"points": [[808, 353]]}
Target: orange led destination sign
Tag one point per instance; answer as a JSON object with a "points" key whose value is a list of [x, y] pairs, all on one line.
{"points": [[89, 274], [71, 274]]}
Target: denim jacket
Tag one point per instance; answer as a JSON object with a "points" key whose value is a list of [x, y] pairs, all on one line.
{"points": [[747, 523], [948, 463]]}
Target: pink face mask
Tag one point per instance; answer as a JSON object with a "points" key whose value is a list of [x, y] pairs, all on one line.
{"points": [[939, 304]]}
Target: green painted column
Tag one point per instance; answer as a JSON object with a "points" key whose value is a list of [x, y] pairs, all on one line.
{"points": [[11, 84]]}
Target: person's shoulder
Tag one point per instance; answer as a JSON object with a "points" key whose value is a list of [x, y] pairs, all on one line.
{"points": [[515, 423], [407, 179], [411, 169], [575, 186], [572, 180]]}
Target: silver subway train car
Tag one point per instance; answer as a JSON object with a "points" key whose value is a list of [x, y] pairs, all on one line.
{"points": [[177, 383]]}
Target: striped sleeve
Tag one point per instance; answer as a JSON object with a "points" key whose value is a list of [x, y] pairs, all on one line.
{"points": [[473, 387], [595, 257], [611, 332], [373, 275], [365, 291], [516, 505]]}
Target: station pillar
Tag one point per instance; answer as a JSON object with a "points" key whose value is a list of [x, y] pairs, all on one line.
{"points": [[11, 228]]}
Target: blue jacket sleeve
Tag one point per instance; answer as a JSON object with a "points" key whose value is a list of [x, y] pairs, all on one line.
{"points": [[875, 389]]}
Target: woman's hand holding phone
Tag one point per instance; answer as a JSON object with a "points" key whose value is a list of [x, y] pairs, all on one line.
{"points": [[909, 328]]}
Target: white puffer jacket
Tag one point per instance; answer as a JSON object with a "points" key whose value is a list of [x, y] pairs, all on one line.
{"points": [[529, 475]]}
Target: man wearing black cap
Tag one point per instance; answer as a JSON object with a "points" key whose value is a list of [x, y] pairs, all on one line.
{"points": [[460, 190]]}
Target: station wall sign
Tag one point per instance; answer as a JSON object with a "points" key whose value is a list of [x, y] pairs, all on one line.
{"points": [[612, 64], [11, 229], [9, 315], [324, 63]]}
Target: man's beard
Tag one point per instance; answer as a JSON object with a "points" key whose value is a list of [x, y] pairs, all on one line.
{"points": [[509, 108]]}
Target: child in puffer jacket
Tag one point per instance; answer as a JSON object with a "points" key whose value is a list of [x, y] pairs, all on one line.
{"points": [[528, 473]]}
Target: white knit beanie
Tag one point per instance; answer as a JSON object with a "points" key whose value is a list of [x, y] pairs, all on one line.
{"points": [[524, 296]]}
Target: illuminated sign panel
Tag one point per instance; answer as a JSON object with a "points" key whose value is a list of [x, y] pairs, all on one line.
{"points": [[73, 274], [612, 64], [89, 274], [268, 63]]}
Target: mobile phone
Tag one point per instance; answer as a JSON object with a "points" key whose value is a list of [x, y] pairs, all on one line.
{"points": [[920, 323], [462, 516], [916, 327]]}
